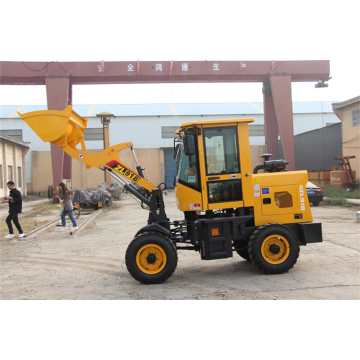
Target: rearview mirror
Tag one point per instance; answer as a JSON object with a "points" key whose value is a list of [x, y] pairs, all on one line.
{"points": [[189, 144]]}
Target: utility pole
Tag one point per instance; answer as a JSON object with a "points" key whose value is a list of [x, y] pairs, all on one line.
{"points": [[105, 120]]}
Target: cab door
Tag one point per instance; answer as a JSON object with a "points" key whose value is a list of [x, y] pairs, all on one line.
{"points": [[222, 187]]}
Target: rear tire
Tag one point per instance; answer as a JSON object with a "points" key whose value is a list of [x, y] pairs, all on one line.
{"points": [[151, 258], [274, 248], [316, 203]]}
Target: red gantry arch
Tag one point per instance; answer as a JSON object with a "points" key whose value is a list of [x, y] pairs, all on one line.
{"points": [[275, 75]]}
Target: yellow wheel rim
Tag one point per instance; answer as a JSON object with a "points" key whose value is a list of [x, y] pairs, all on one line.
{"points": [[275, 249], [151, 259]]}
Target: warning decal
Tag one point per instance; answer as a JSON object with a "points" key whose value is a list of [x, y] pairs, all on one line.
{"points": [[195, 207], [123, 171]]}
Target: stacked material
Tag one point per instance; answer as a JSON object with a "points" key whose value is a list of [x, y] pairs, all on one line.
{"points": [[93, 197], [319, 177], [115, 190]]}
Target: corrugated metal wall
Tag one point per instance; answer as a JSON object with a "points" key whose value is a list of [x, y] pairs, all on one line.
{"points": [[317, 149]]}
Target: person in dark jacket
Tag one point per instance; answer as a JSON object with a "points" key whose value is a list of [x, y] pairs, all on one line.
{"points": [[15, 208], [64, 194]]}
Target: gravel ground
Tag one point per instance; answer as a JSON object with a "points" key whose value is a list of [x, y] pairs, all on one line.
{"points": [[91, 264]]}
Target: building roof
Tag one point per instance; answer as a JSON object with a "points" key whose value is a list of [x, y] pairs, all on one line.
{"points": [[165, 109], [16, 141], [346, 103]]}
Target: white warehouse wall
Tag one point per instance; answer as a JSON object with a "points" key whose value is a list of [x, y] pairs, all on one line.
{"points": [[308, 122], [145, 131]]}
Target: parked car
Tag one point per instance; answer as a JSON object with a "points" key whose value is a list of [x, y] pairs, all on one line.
{"points": [[315, 193]]}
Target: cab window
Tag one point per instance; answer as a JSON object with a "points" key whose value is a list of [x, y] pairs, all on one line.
{"points": [[221, 151]]}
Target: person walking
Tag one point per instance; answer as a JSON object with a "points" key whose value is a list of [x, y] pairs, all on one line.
{"points": [[64, 194], [15, 208]]}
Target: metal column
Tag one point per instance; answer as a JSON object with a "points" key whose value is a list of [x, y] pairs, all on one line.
{"points": [[271, 126], [58, 95], [106, 145], [281, 93]]}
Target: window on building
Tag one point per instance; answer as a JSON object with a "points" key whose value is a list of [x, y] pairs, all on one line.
{"points": [[10, 173], [1, 178], [16, 134], [355, 118], [94, 134], [19, 177], [256, 130], [168, 132]]}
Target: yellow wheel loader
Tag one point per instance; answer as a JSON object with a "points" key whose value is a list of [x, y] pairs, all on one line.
{"points": [[263, 217]]}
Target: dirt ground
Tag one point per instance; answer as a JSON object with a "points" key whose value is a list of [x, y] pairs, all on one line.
{"points": [[53, 264]]}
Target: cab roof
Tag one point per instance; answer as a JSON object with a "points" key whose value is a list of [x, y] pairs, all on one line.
{"points": [[216, 122]]}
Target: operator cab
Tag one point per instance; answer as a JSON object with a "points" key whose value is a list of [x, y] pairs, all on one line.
{"points": [[208, 163]]}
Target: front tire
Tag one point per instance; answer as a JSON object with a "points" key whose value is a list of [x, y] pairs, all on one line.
{"points": [[244, 254], [244, 251], [151, 258], [274, 248]]}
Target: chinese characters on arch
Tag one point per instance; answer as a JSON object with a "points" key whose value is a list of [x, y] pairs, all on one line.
{"points": [[159, 67]]}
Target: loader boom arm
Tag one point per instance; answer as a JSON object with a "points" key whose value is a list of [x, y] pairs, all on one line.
{"points": [[66, 129]]}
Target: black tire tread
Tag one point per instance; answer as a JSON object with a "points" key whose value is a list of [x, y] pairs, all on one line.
{"points": [[244, 254], [250, 250], [159, 279]]}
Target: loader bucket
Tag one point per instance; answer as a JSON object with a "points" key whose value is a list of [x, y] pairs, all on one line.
{"points": [[57, 127]]}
